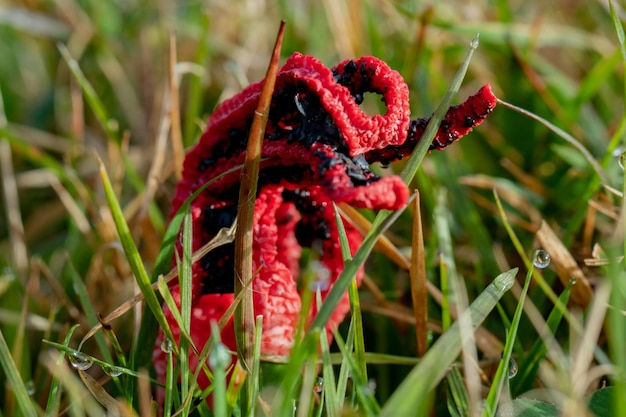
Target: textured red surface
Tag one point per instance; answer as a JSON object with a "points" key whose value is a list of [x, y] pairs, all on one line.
{"points": [[316, 151]]}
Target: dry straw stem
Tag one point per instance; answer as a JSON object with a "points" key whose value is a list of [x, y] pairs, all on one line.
{"points": [[417, 272], [244, 313], [509, 193], [16, 226], [565, 264], [583, 374], [176, 129]]}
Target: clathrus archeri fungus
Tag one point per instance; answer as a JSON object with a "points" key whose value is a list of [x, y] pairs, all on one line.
{"points": [[317, 149]]}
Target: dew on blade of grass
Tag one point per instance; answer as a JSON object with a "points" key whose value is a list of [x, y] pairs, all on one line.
{"points": [[617, 152], [220, 357], [319, 384], [513, 368], [321, 282], [370, 389], [166, 346], [620, 155], [505, 281], [30, 388], [80, 361], [541, 259], [112, 371]]}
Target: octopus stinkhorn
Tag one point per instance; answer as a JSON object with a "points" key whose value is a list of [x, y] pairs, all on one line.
{"points": [[317, 149]]}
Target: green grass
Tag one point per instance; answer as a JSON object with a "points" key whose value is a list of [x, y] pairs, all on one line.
{"points": [[88, 165]]}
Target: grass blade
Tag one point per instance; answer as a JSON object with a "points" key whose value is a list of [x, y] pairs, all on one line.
{"points": [[132, 255], [414, 161], [15, 380], [503, 368], [54, 398], [530, 365], [355, 305], [94, 101], [418, 385], [330, 387], [184, 282]]}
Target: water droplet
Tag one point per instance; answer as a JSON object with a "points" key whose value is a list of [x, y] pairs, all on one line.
{"points": [[541, 259], [513, 368], [474, 43], [30, 388], [371, 387], [7, 274], [321, 282], [618, 154], [319, 384], [220, 357], [80, 361], [166, 346], [505, 280], [113, 371]]}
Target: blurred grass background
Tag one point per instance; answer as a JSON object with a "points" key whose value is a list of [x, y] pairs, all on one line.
{"points": [[559, 59]]}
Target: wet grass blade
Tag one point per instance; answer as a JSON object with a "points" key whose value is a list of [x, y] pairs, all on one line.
{"points": [[94, 101], [415, 160], [353, 293], [184, 282], [530, 365], [565, 136], [502, 374], [255, 376], [329, 389], [54, 398], [92, 316], [14, 380], [367, 401], [419, 384], [132, 255], [458, 400]]}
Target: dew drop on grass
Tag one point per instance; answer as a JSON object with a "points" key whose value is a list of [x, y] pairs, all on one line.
{"points": [[321, 281], [80, 361], [30, 388], [219, 358], [319, 384], [112, 371], [474, 43], [166, 346], [371, 387], [618, 154], [513, 368], [541, 259]]}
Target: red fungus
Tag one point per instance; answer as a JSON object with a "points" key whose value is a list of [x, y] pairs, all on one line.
{"points": [[317, 147]]}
